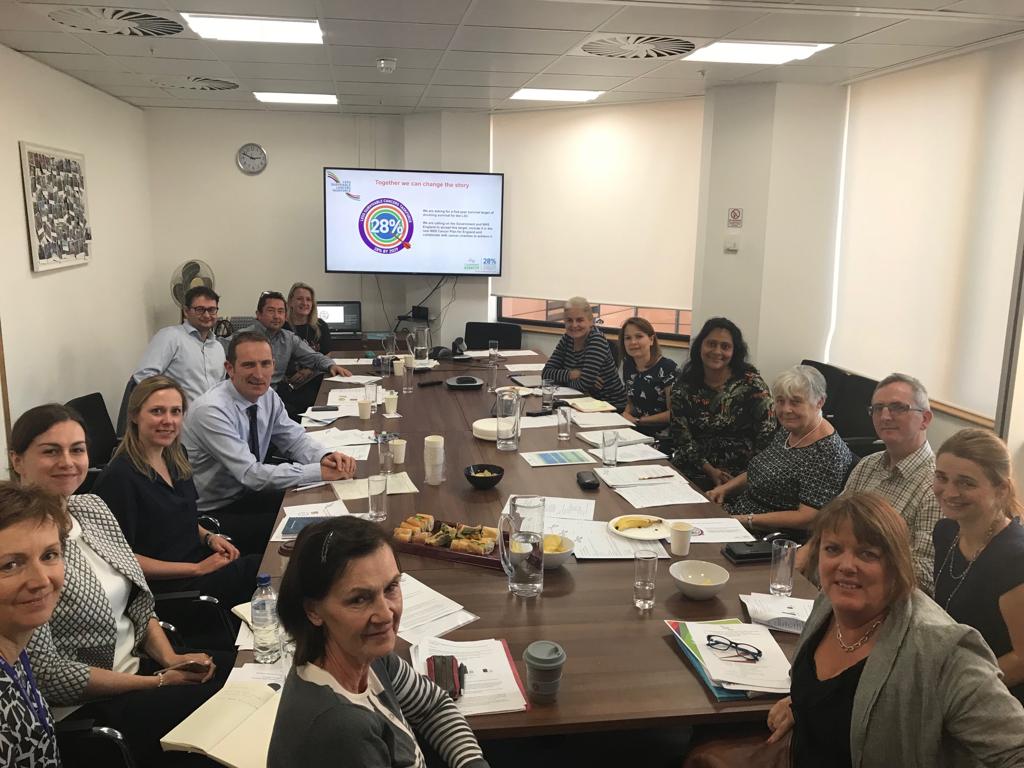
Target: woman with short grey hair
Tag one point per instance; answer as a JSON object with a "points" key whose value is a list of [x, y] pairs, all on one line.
{"points": [[801, 470]]}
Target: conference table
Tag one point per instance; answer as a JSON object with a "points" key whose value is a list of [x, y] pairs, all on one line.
{"points": [[623, 668]]}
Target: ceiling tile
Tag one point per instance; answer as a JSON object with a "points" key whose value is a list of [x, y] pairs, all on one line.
{"points": [[496, 62], [366, 56], [864, 55], [250, 69], [330, 108], [692, 70], [509, 40], [468, 77], [375, 89], [380, 100], [469, 92], [422, 11], [49, 42], [359, 109], [373, 75], [997, 7], [811, 27], [788, 73], [663, 85], [191, 104], [142, 5], [281, 53], [285, 86], [157, 66], [14, 16], [577, 82], [598, 65], [66, 61], [385, 33], [457, 103], [238, 94], [538, 14], [128, 91], [105, 79], [914, 5], [613, 97], [940, 32], [161, 47], [682, 21], [296, 9]]}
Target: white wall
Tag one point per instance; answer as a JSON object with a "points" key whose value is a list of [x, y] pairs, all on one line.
{"points": [[80, 329]]}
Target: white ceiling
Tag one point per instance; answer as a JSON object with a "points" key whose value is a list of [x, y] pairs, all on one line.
{"points": [[473, 54]]}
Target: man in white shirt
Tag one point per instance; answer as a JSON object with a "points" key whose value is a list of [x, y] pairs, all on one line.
{"points": [[228, 432], [188, 353]]}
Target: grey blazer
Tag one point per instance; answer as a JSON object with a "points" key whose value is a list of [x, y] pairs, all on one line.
{"points": [[930, 694], [82, 631]]}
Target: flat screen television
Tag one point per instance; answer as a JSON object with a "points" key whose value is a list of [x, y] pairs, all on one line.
{"points": [[412, 222]]}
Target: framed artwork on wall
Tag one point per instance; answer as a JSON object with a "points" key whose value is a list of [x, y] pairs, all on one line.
{"points": [[56, 207]]}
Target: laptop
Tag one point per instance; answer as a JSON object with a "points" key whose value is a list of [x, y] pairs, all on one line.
{"points": [[344, 318]]}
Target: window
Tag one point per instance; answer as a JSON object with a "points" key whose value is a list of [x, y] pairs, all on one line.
{"points": [[669, 323]]}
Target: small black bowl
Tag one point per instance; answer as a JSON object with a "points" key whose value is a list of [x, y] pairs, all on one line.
{"points": [[486, 481]]}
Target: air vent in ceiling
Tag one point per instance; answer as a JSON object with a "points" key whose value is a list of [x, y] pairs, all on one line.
{"points": [[189, 83], [116, 21], [636, 46]]}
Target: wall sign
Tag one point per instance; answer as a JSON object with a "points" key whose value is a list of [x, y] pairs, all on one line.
{"points": [[735, 218]]}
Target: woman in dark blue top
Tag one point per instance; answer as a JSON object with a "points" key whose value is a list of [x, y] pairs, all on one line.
{"points": [[648, 376], [148, 486]]}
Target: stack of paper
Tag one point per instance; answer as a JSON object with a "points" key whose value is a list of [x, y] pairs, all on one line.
{"points": [[492, 682], [327, 414], [626, 437], [716, 530], [556, 507], [623, 477], [631, 453], [525, 367], [356, 488], [335, 439], [425, 364], [347, 361], [729, 669], [650, 485], [353, 379], [345, 395], [426, 613], [501, 352], [591, 405], [598, 420], [786, 614]]}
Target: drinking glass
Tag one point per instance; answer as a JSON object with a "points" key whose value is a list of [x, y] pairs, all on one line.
{"points": [[783, 560], [492, 352], [523, 557], [385, 455], [645, 572], [407, 380], [370, 391], [564, 415], [610, 448], [377, 496], [547, 395]]}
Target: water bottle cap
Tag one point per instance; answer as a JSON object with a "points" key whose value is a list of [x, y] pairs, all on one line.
{"points": [[263, 580]]}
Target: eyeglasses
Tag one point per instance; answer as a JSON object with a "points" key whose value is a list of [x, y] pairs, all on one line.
{"points": [[895, 409], [744, 651], [204, 310]]}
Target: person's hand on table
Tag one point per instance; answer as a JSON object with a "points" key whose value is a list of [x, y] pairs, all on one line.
{"points": [[717, 494], [337, 370], [780, 719], [337, 466], [169, 676], [574, 374]]}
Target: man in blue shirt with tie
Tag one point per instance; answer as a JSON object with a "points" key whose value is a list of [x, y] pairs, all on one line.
{"points": [[227, 433]]}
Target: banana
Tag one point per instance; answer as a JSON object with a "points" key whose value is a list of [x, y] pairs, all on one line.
{"points": [[636, 522]]}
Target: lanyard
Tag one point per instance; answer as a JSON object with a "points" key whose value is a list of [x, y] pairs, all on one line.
{"points": [[34, 703]]}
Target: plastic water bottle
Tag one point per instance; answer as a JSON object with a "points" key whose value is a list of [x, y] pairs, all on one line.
{"points": [[265, 626]]}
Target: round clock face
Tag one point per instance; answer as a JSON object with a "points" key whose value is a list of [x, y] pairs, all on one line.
{"points": [[251, 158]]}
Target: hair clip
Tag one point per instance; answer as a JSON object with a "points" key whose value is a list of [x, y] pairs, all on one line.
{"points": [[326, 547]]}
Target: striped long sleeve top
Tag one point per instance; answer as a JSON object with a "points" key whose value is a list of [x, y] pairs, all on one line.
{"points": [[318, 721], [600, 375]]}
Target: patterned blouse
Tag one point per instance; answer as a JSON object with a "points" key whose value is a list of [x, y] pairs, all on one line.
{"points": [[24, 741], [781, 478], [646, 389], [721, 427]]}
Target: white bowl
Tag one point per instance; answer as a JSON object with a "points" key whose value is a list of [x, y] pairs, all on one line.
{"points": [[697, 579], [558, 559]]}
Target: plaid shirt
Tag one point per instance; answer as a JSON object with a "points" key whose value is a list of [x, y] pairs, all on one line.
{"points": [[908, 487]]}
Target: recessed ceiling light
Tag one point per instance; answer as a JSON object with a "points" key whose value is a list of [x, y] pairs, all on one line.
{"points": [[255, 29], [756, 53], [296, 98], [553, 94]]}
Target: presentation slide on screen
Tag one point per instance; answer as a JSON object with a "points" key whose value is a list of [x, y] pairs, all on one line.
{"points": [[408, 221]]}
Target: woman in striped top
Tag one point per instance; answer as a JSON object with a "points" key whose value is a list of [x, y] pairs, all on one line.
{"points": [[348, 693], [583, 358]]}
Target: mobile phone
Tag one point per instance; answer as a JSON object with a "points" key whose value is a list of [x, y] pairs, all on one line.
{"points": [[429, 383], [189, 666], [587, 480], [324, 408]]}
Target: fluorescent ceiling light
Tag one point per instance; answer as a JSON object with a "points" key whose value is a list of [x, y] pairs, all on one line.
{"points": [[255, 29], [552, 94], [296, 98], [756, 53]]}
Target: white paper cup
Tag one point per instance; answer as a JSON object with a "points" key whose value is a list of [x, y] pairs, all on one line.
{"points": [[364, 409], [390, 402], [681, 538], [399, 365], [398, 450]]}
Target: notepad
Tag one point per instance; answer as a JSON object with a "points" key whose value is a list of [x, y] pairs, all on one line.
{"points": [[591, 405]]}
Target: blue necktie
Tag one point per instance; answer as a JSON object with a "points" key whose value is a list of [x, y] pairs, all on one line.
{"points": [[254, 435]]}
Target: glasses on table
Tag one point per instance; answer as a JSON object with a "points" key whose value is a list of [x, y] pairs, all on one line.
{"points": [[895, 409], [744, 651]]}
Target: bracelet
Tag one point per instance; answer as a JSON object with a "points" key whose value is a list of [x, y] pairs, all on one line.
{"points": [[206, 539], [750, 520], [160, 678]]}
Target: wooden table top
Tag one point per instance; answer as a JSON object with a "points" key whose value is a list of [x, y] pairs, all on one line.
{"points": [[623, 668]]}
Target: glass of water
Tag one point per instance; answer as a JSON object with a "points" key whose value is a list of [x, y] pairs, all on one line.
{"points": [[523, 558], [377, 496], [610, 448], [645, 572], [783, 562], [564, 423], [370, 391], [547, 395], [385, 455], [407, 381], [492, 352]]}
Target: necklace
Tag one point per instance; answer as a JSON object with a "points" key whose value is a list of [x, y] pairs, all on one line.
{"points": [[959, 580], [864, 638], [806, 434]]}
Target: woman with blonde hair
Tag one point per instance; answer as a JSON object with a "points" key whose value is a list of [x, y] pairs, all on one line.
{"points": [[303, 319], [979, 546], [148, 486]]}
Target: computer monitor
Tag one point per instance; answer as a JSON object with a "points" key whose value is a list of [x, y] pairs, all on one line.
{"points": [[344, 318]]}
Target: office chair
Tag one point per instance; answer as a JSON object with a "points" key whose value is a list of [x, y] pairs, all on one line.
{"points": [[83, 744], [99, 432], [122, 412], [508, 335], [194, 620]]}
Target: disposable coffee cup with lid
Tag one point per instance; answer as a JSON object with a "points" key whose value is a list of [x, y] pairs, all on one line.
{"points": [[544, 661]]}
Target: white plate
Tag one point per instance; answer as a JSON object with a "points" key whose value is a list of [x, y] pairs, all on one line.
{"points": [[657, 531]]}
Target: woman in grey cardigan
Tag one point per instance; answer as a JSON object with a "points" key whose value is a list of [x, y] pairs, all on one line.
{"points": [[882, 675], [348, 693]]}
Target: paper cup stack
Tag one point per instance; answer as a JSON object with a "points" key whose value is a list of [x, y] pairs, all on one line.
{"points": [[433, 459]]}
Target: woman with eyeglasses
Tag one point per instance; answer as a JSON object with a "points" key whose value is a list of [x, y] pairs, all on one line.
{"points": [[979, 546], [882, 676], [148, 486], [348, 694]]}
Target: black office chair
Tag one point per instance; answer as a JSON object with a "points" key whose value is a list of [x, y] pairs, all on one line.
{"points": [[84, 744], [846, 403], [99, 431], [508, 335], [122, 412], [194, 620]]}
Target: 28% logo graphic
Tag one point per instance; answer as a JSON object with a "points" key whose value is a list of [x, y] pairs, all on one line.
{"points": [[386, 226]]}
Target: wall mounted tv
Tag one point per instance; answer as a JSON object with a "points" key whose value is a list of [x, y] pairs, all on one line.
{"points": [[412, 222]]}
